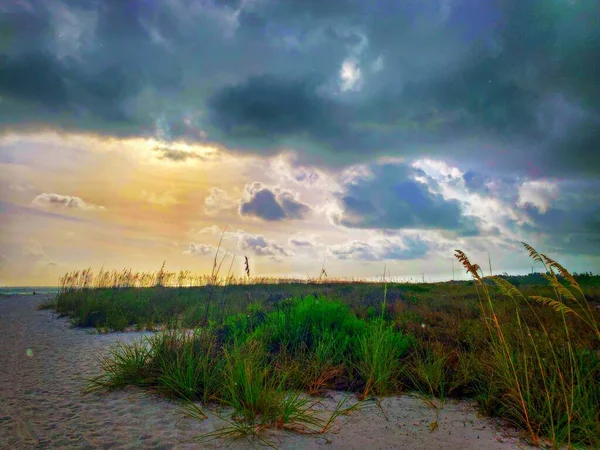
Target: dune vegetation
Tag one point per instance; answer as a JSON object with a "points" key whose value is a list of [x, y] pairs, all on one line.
{"points": [[268, 348]]}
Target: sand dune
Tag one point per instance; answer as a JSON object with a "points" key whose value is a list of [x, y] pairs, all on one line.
{"points": [[44, 363]]}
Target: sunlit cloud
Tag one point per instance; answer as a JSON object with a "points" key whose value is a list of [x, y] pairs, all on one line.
{"points": [[380, 249], [173, 154], [350, 76], [261, 246], [537, 193], [200, 250], [63, 202], [217, 201]]}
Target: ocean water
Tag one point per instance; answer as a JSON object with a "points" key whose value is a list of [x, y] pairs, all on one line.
{"points": [[28, 290]]}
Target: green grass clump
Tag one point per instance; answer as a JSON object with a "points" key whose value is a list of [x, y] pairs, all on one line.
{"points": [[243, 369], [257, 393], [378, 352], [186, 365], [430, 373], [306, 323], [126, 364]]}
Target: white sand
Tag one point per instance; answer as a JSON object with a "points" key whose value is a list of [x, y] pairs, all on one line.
{"points": [[42, 404]]}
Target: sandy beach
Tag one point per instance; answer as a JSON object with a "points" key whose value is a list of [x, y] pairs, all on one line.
{"points": [[44, 363]]}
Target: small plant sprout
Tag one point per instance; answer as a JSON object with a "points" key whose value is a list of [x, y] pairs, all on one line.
{"points": [[246, 266]]}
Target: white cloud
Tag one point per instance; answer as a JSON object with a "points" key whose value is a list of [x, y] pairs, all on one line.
{"points": [[350, 76], [20, 187], [210, 230], [256, 244], [46, 200], [218, 200], [286, 169], [303, 241], [438, 169], [354, 174], [380, 248], [494, 213], [200, 250], [537, 193], [260, 245]]}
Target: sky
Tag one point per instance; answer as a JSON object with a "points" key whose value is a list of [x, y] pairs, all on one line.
{"points": [[360, 133]]}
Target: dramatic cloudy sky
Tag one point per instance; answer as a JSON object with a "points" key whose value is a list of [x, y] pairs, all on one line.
{"points": [[363, 132]]}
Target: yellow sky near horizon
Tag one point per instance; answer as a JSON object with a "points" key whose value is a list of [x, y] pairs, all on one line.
{"points": [[139, 209], [72, 201]]}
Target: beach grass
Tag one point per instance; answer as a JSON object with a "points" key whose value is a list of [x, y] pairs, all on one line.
{"points": [[529, 354]]}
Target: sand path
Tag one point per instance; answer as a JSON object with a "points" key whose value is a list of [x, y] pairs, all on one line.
{"points": [[44, 363]]}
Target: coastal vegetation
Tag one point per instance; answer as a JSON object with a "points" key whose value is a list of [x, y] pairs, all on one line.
{"points": [[268, 348]]}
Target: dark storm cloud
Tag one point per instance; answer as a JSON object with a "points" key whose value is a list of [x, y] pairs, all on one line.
{"points": [[34, 77], [45, 69], [471, 79], [268, 109], [47, 87], [272, 205], [490, 101], [390, 198]]}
